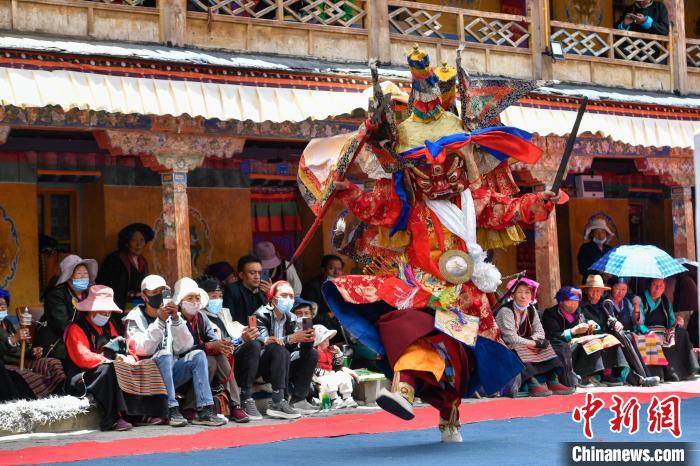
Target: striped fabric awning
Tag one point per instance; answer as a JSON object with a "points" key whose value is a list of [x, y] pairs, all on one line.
{"points": [[274, 212]]}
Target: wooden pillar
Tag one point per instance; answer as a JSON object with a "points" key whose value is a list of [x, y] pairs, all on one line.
{"points": [[683, 225], [173, 22], [378, 26], [547, 260], [535, 11], [176, 226], [678, 46]]}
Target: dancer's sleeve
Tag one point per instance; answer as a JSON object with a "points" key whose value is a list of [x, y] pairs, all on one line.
{"points": [[381, 206], [497, 211]]}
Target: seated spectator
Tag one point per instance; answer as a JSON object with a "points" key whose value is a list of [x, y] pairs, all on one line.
{"points": [[248, 294], [71, 287], [274, 268], [592, 351], [597, 234], [155, 330], [223, 271], [12, 386], [228, 330], [246, 348], [124, 269], [331, 267], [647, 347], [288, 356], [330, 374], [304, 309], [93, 347], [43, 375], [522, 332], [645, 16], [657, 315], [190, 299]]}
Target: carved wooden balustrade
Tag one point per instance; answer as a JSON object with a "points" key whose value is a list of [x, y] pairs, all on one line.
{"points": [[692, 52], [616, 44], [340, 13], [447, 24]]}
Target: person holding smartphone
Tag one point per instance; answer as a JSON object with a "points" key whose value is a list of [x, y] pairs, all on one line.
{"points": [[156, 330], [245, 350], [645, 16], [288, 355]]}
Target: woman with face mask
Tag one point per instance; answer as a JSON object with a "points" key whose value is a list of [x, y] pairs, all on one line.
{"points": [[598, 235], [42, 376], [92, 359], [76, 276]]}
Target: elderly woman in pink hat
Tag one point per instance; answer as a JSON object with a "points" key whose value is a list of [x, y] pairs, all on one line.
{"points": [[75, 277], [522, 332], [93, 346]]}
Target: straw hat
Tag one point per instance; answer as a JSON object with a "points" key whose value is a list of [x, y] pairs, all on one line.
{"points": [[186, 286], [322, 334], [68, 265], [598, 224], [595, 281], [100, 298]]}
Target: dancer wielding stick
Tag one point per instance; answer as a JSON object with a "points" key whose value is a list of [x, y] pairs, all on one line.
{"points": [[380, 106]]}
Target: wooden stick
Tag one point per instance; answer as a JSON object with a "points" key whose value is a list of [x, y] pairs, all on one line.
{"points": [[23, 347]]}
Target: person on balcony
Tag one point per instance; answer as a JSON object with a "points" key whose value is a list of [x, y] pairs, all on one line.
{"points": [[645, 16]]}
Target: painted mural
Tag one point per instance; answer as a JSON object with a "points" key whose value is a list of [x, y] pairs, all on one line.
{"points": [[200, 244], [9, 249]]}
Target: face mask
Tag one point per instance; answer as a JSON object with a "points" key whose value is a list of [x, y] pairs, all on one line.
{"points": [[285, 304], [100, 320], [80, 284], [600, 242], [155, 301], [3, 314], [189, 308], [215, 305]]}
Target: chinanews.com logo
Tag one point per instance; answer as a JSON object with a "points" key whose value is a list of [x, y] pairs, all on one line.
{"points": [[661, 415]]}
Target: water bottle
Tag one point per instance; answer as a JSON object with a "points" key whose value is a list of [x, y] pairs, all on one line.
{"points": [[325, 401]]}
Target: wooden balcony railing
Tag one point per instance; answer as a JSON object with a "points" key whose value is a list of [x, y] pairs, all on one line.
{"points": [[340, 13], [616, 44], [458, 25], [355, 30], [692, 53]]}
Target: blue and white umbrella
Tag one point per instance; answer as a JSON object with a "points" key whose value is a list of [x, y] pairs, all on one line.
{"points": [[638, 261]]}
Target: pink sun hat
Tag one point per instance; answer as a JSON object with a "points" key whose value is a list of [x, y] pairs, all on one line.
{"points": [[267, 254], [100, 298]]}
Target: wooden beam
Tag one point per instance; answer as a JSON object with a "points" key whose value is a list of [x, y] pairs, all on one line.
{"points": [[173, 22], [176, 226], [678, 46], [378, 27]]}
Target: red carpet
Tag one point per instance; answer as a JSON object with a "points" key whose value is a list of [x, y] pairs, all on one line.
{"points": [[377, 422]]}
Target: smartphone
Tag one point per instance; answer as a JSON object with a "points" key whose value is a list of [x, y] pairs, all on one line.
{"points": [[252, 322], [307, 323], [167, 297], [265, 276]]}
